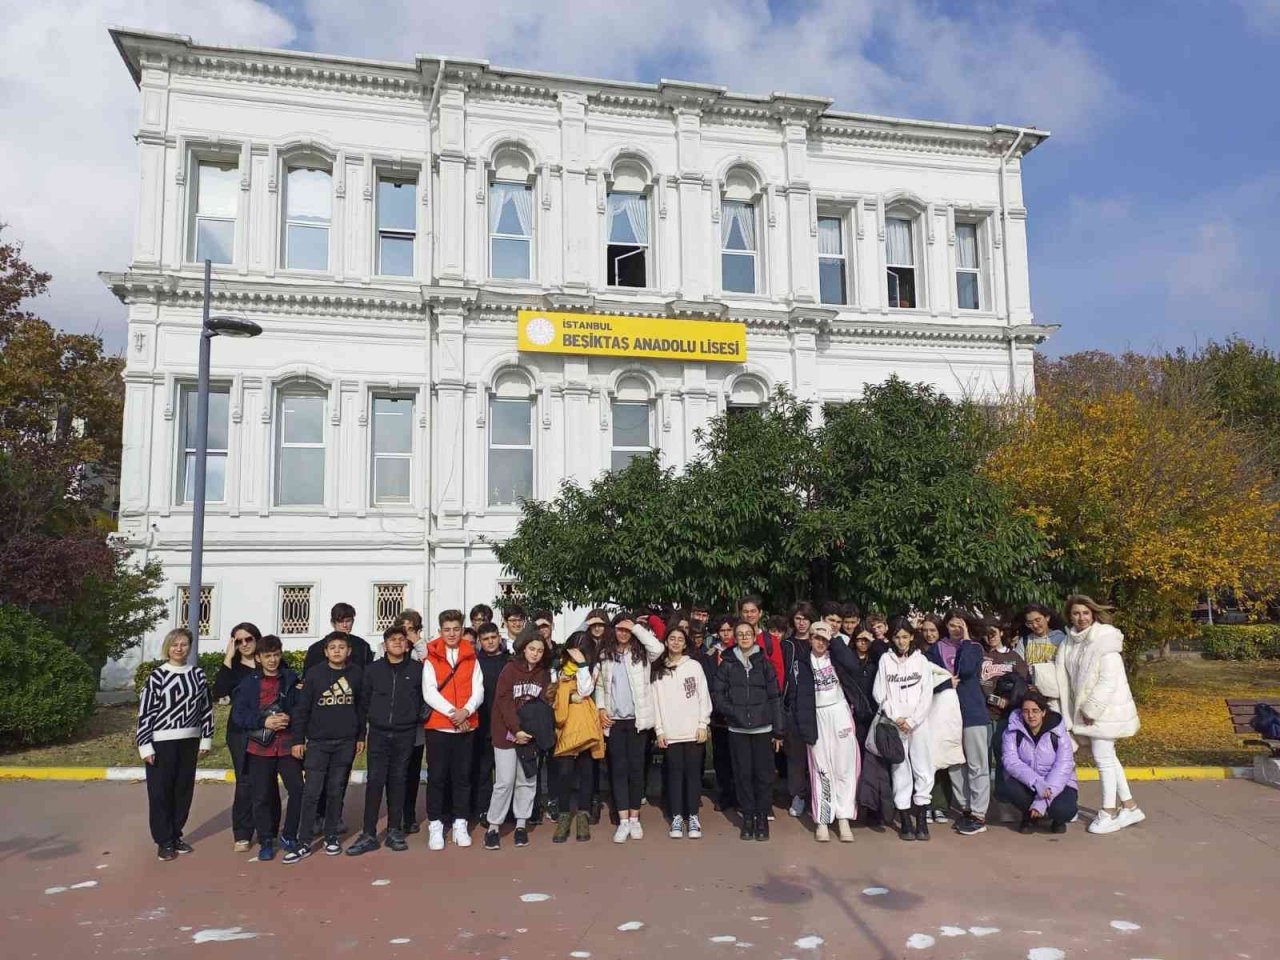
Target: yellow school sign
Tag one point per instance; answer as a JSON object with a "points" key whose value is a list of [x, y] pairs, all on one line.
{"points": [[597, 335]]}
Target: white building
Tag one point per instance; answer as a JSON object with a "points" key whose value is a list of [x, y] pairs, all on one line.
{"points": [[384, 222]]}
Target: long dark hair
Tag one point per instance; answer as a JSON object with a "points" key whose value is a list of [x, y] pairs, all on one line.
{"points": [[973, 625], [921, 644], [610, 649], [902, 623], [662, 665], [578, 640]]}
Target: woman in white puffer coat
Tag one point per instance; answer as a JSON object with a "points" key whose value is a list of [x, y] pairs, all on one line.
{"points": [[1098, 705]]}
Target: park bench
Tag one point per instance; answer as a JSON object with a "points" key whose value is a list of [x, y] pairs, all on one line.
{"points": [[1241, 712]]}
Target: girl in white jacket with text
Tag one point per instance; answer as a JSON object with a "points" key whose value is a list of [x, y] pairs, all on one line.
{"points": [[904, 690], [682, 717]]}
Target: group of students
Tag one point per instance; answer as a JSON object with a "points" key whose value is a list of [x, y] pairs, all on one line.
{"points": [[854, 718]]}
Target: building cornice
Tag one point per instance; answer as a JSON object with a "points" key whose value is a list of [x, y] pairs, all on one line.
{"points": [[866, 329]]}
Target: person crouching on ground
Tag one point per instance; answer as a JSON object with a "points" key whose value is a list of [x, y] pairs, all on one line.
{"points": [[818, 707], [453, 686], [1039, 766], [391, 693], [175, 729], [524, 678], [745, 691], [682, 719], [904, 690], [262, 706]]}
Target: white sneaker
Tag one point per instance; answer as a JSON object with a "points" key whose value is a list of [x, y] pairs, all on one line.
{"points": [[623, 832], [435, 835], [637, 831], [695, 828], [822, 833], [461, 838], [846, 831], [1105, 823], [677, 828], [1128, 816], [797, 806]]}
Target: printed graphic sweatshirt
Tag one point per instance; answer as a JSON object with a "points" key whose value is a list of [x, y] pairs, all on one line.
{"points": [[329, 705], [682, 702], [175, 705], [904, 687]]}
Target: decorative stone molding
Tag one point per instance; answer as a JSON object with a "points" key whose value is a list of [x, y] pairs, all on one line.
{"points": [[242, 67]]}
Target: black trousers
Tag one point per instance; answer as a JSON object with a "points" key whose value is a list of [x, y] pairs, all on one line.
{"points": [[797, 753], [722, 763], [263, 773], [242, 819], [171, 782], [481, 774], [575, 771], [683, 769], [753, 771], [626, 764], [413, 782], [388, 766], [448, 774], [1064, 806], [327, 764]]}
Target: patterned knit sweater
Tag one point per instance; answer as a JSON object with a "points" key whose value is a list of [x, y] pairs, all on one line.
{"points": [[175, 705]]}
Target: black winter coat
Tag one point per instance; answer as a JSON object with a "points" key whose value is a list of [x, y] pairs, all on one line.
{"points": [[225, 682], [747, 699], [490, 665], [801, 702], [392, 694]]}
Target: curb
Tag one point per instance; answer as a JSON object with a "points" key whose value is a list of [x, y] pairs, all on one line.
{"points": [[1172, 773]]}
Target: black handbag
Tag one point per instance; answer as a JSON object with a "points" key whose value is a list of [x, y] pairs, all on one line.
{"points": [[884, 741], [262, 734]]}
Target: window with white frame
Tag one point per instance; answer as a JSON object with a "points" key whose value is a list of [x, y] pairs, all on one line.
{"points": [[217, 195], [397, 226], [510, 468], [749, 393], [510, 231], [900, 261], [295, 609], [308, 204], [300, 451], [968, 268], [738, 246], [631, 412], [389, 599], [627, 253], [206, 609], [392, 449], [833, 262], [215, 465]]}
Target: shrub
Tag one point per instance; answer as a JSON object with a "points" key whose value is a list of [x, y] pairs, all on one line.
{"points": [[1259, 641], [210, 663], [48, 691]]}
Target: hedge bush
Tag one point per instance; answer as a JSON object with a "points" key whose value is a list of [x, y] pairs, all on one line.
{"points": [[1255, 641], [48, 690], [210, 663]]}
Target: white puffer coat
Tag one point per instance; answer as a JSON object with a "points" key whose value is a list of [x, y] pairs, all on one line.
{"points": [[1092, 683]]}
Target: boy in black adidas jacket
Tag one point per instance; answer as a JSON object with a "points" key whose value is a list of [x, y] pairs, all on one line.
{"points": [[328, 722]]}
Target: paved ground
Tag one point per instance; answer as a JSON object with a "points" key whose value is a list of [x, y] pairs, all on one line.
{"points": [[1198, 880]]}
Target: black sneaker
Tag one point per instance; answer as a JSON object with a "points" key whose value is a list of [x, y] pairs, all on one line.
{"points": [[165, 852], [363, 844], [1058, 827], [492, 840], [594, 815], [971, 826], [522, 837], [183, 847], [412, 826], [762, 828], [748, 829], [331, 845], [300, 851], [396, 841]]}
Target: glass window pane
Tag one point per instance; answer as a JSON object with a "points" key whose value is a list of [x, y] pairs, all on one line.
{"points": [[392, 425], [739, 272], [630, 424], [967, 290], [215, 477], [301, 479], [219, 402], [511, 210], [217, 190], [509, 259], [621, 459], [302, 418], [967, 245], [308, 195], [510, 476], [215, 240], [307, 248], [396, 208], [395, 256], [831, 281], [830, 235], [391, 480], [511, 422]]}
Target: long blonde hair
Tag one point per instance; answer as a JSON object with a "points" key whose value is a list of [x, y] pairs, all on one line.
{"points": [[1101, 614]]}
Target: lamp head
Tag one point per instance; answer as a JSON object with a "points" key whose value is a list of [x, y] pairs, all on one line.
{"points": [[232, 327]]}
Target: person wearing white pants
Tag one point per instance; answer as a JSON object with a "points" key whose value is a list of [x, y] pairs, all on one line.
{"points": [[1098, 705], [904, 690]]}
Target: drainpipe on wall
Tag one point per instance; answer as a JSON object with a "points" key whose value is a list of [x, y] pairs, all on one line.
{"points": [[428, 512], [1004, 248]]}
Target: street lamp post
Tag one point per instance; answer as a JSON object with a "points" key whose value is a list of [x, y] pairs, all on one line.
{"points": [[210, 327]]}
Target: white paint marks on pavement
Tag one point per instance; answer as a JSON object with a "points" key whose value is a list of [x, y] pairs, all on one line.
{"points": [[102, 866], [535, 897], [810, 942], [399, 940], [380, 883], [222, 935], [920, 941], [724, 938], [1046, 953], [1125, 926], [758, 919], [952, 931], [983, 931], [84, 884], [52, 890], [580, 954], [630, 925], [875, 891]]}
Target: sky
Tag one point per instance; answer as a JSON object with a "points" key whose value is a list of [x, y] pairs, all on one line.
{"points": [[1151, 210]]}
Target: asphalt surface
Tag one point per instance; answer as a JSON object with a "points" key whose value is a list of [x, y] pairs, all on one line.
{"points": [[79, 879]]}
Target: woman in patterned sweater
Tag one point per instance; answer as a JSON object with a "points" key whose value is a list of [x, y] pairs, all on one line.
{"points": [[175, 728]]}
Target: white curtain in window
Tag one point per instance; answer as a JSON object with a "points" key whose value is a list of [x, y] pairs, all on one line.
{"points": [[967, 246], [308, 195], [629, 208], [830, 240], [736, 212], [897, 241], [520, 199]]}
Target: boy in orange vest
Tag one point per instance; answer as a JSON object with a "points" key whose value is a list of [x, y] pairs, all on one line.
{"points": [[453, 686]]}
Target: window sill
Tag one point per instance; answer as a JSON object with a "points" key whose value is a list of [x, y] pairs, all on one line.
{"points": [[310, 509], [303, 272], [198, 265]]}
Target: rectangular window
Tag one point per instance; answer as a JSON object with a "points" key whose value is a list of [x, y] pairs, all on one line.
{"points": [[392, 449], [397, 226], [215, 465], [737, 246], [632, 432], [833, 286], [217, 193], [308, 198], [388, 600], [510, 451], [968, 271], [510, 231], [206, 609], [300, 450], [900, 260], [627, 253], [295, 610]]}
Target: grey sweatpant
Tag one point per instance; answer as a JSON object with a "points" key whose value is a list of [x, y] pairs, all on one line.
{"points": [[971, 780], [509, 780]]}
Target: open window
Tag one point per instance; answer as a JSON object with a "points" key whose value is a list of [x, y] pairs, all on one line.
{"points": [[900, 262], [627, 227]]}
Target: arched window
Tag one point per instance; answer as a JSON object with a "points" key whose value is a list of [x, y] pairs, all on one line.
{"points": [[510, 473], [511, 216], [902, 256], [748, 393], [308, 212], [300, 446], [632, 415], [627, 227], [739, 233]]}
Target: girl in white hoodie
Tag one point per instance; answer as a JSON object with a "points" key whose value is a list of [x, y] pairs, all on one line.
{"points": [[904, 690], [1097, 703], [682, 717]]}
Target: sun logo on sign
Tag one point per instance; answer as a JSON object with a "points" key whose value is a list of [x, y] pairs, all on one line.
{"points": [[540, 331]]}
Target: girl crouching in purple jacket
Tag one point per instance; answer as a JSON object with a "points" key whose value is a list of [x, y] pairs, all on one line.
{"points": [[1039, 766]]}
